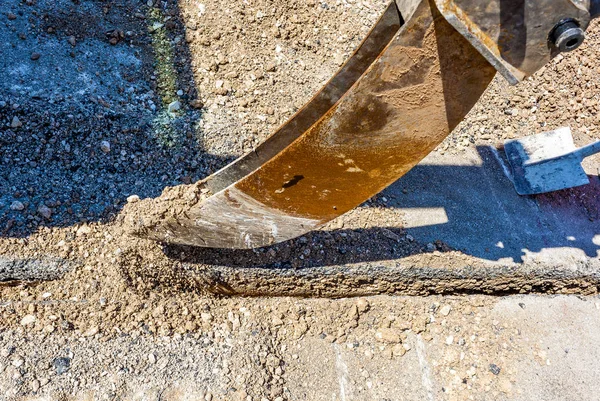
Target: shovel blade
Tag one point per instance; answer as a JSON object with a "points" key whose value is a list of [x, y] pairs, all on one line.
{"points": [[545, 162]]}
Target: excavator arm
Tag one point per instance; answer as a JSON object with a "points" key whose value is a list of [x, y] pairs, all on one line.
{"points": [[408, 85]]}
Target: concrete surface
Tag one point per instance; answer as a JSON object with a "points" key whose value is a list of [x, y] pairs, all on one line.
{"points": [[550, 354], [33, 269], [469, 202]]}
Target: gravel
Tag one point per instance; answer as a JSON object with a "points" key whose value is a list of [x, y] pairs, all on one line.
{"points": [[87, 127]]}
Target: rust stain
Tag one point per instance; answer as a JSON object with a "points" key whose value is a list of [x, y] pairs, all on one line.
{"points": [[405, 105]]}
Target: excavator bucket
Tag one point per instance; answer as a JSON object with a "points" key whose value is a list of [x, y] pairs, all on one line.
{"points": [[406, 87]]}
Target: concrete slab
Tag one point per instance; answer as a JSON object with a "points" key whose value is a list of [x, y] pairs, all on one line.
{"points": [[521, 348]]}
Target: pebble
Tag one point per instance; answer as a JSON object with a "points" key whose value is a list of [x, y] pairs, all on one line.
{"points": [[151, 358], [8, 351], [445, 310], [133, 199], [35, 56], [18, 362], [197, 104], [389, 336], [28, 319], [156, 26], [11, 16], [72, 41], [92, 331], [62, 365], [16, 123], [35, 385], [105, 146], [174, 106], [398, 350], [362, 305], [16, 205], [44, 211], [83, 230], [495, 369]]}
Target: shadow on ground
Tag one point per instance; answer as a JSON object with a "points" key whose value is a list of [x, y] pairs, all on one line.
{"points": [[470, 208], [86, 124]]}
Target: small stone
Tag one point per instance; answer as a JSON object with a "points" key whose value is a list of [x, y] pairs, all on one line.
{"points": [[197, 104], [16, 123], [156, 26], [8, 351], [390, 234], [398, 350], [179, 92], [28, 319], [362, 305], [35, 385], [18, 362], [419, 324], [271, 67], [152, 359], [386, 335], [35, 56], [11, 16], [83, 230], [445, 310], [449, 340], [163, 363], [16, 205], [495, 369], [92, 331], [44, 211], [174, 106], [105, 146], [133, 199], [62, 365], [72, 41]]}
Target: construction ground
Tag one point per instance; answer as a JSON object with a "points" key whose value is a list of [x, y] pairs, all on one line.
{"points": [[445, 286]]}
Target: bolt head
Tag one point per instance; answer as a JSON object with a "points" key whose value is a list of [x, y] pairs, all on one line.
{"points": [[567, 36]]}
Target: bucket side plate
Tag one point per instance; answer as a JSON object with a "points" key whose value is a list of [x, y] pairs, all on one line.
{"points": [[409, 99]]}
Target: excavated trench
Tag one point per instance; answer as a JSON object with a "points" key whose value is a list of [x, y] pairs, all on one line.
{"points": [[350, 280]]}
